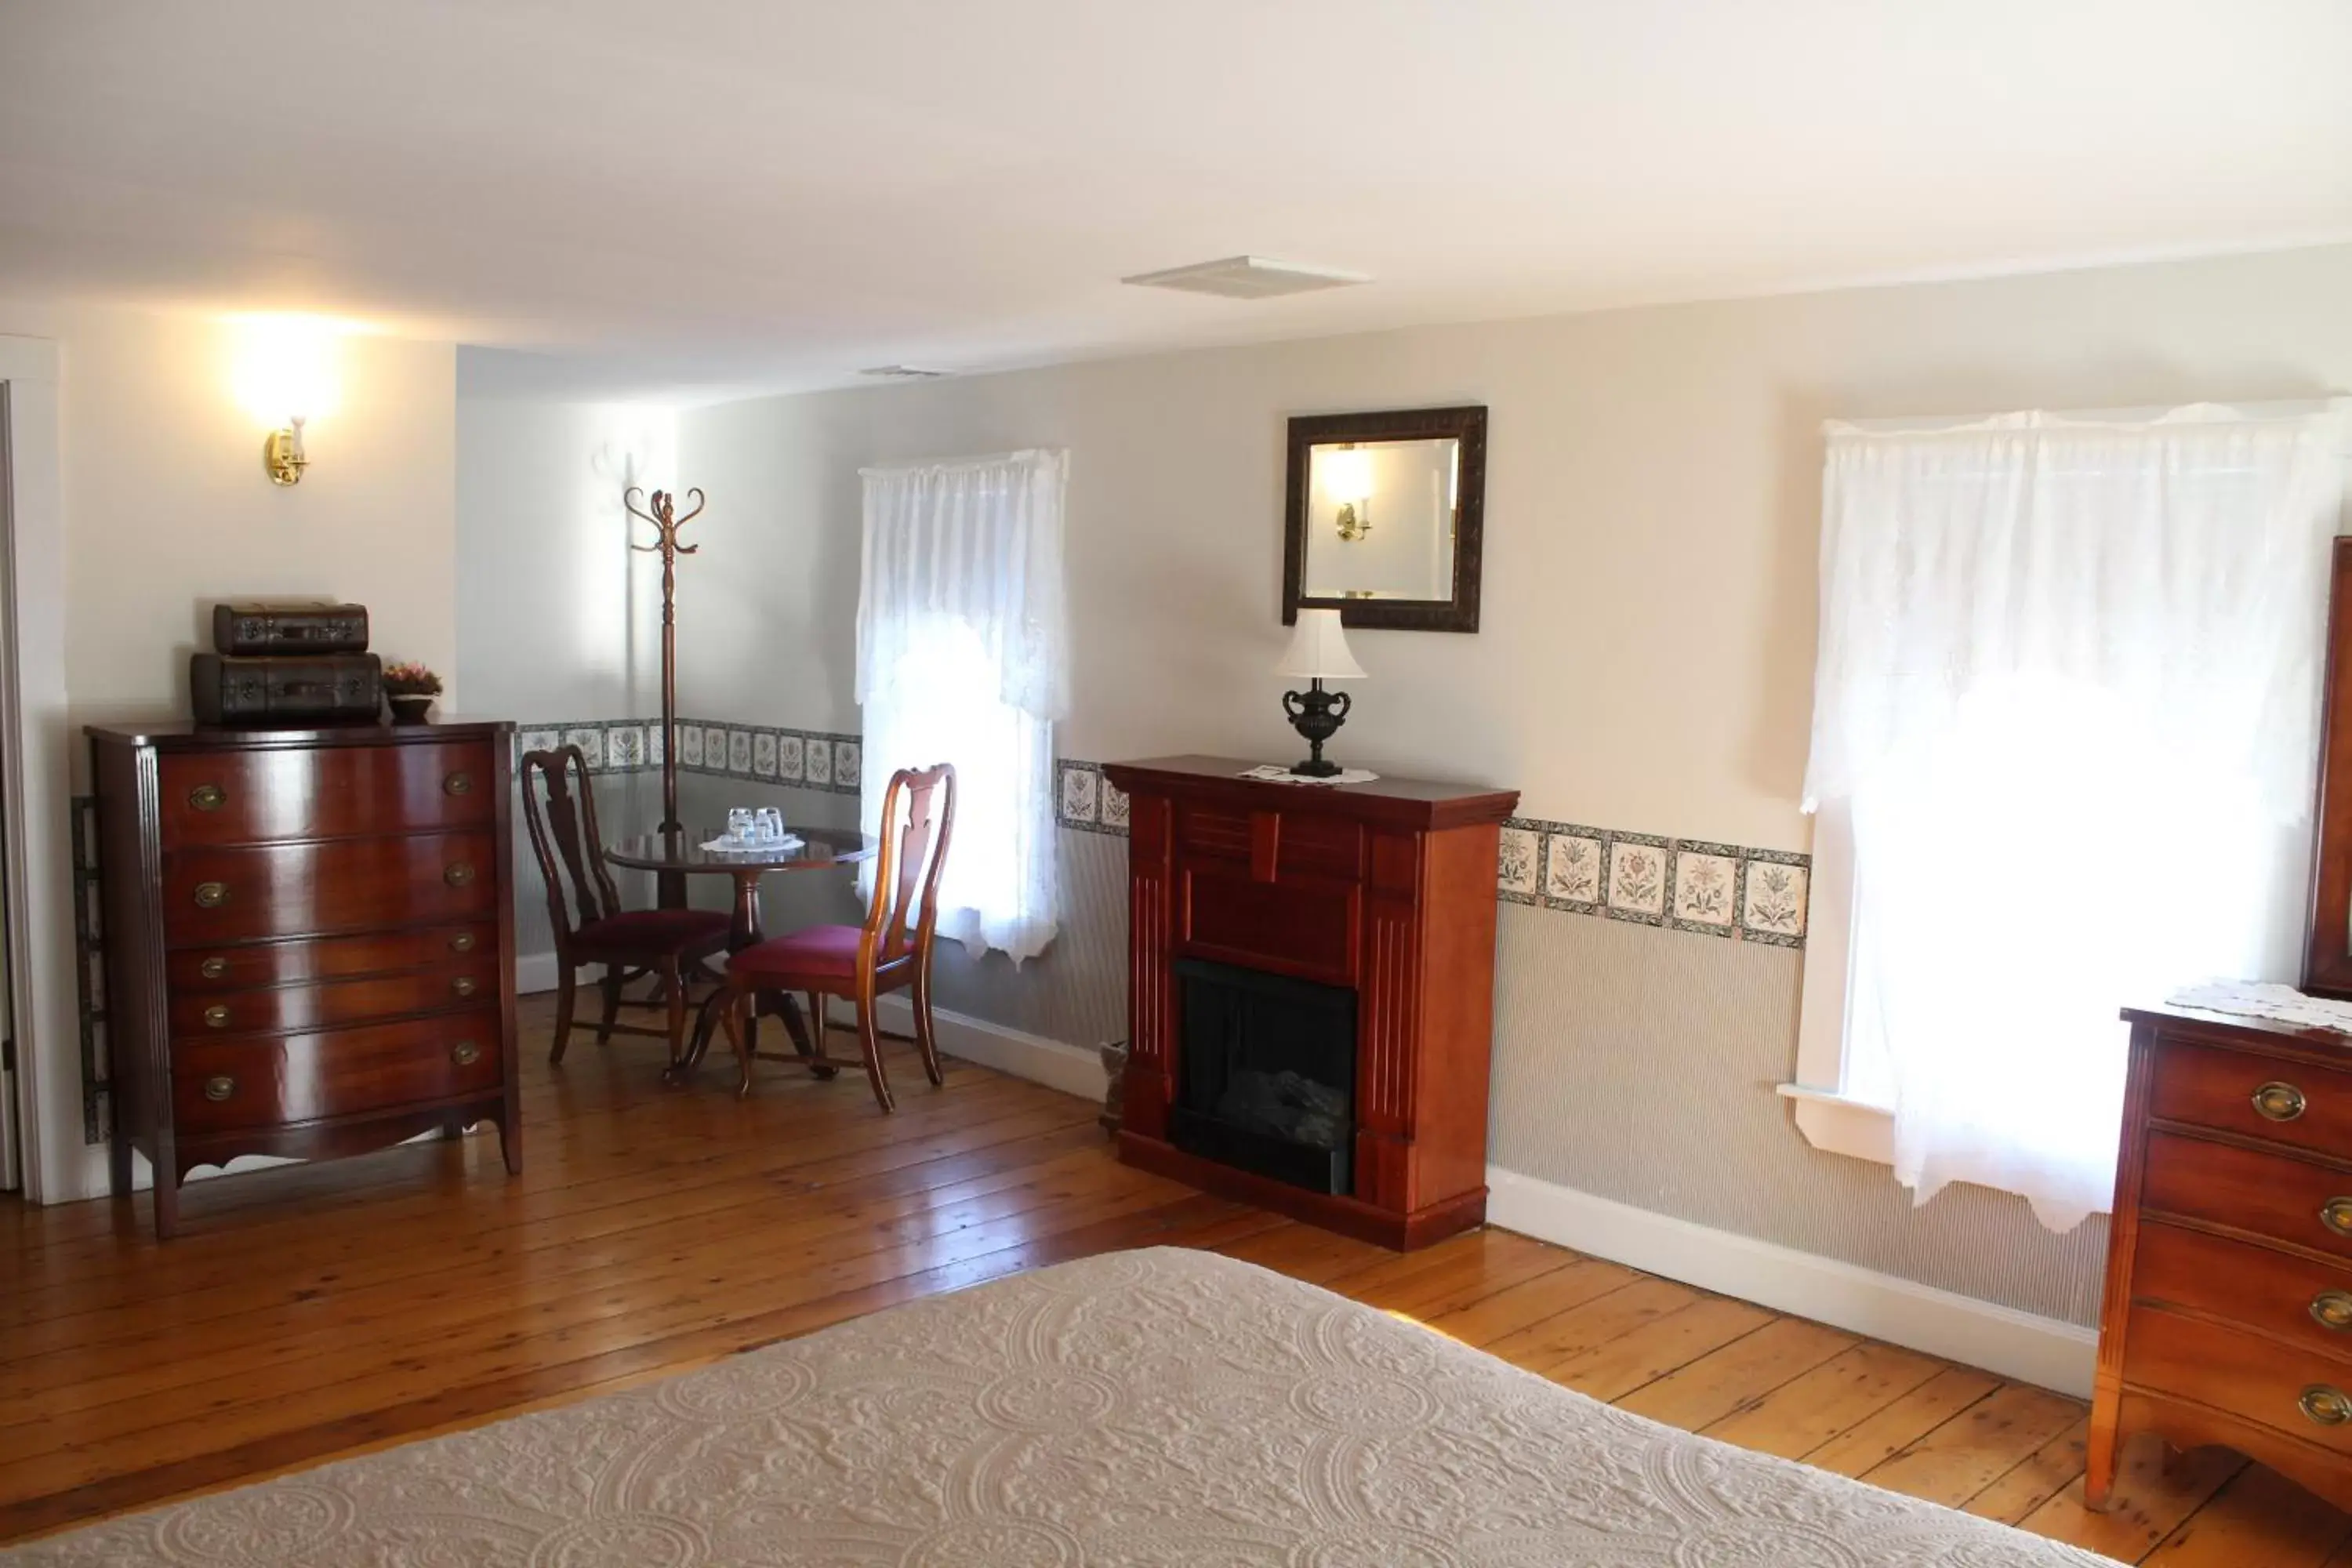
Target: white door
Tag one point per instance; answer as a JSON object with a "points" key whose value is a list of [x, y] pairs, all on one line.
{"points": [[12, 1158]]}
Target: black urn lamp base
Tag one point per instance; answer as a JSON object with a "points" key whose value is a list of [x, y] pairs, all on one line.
{"points": [[1316, 715]]}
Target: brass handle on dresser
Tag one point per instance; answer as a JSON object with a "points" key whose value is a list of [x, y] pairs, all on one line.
{"points": [[2332, 1310], [465, 1053], [2278, 1101], [2335, 1214], [219, 1087], [2325, 1406], [457, 875], [458, 783], [213, 968], [216, 1016], [463, 985], [211, 895], [209, 797], [462, 942]]}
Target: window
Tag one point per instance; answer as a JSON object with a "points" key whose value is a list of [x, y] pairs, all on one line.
{"points": [[961, 658], [2064, 740]]}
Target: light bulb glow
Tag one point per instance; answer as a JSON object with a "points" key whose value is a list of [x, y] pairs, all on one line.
{"points": [[1346, 473], [285, 368]]}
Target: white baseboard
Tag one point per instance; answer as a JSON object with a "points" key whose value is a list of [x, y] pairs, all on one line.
{"points": [[2044, 1351], [535, 971], [1057, 1063]]}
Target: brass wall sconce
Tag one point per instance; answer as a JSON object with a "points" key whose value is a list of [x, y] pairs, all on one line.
{"points": [[282, 454]]}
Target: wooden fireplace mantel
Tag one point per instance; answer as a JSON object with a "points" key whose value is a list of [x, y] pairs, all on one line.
{"points": [[1386, 888]]}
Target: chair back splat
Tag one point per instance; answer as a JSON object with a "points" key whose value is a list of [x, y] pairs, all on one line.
{"points": [[560, 809], [906, 871]]}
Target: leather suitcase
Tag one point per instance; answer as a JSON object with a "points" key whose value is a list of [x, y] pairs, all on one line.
{"points": [[324, 689], [243, 630]]}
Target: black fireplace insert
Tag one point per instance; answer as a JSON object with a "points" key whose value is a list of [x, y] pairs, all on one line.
{"points": [[1267, 1073]]}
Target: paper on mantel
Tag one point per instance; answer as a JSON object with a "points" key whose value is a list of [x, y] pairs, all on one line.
{"points": [[1273, 773], [2262, 999]]}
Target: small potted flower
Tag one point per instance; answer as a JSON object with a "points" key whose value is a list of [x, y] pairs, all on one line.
{"points": [[410, 687]]}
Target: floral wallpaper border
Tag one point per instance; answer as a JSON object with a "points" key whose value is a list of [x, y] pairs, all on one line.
{"points": [[1684, 884], [810, 759]]}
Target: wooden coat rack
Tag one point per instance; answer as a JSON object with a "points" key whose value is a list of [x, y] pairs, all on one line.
{"points": [[667, 522]]}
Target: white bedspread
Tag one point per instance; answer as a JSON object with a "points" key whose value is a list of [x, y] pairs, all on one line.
{"points": [[1163, 1407]]}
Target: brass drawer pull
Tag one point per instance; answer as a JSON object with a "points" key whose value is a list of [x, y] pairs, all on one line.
{"points": [[219, 1087], [463, 985], [213, 968], [462, 942], [458, 783], [209, 797], [211, 895], [2325, 1406], [2333, 1309], [459, 874], [2335, 1214], [465, 1053], [216, 1016], [2278, 1101]]}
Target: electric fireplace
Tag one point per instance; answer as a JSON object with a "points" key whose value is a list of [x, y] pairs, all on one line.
{"points": [[1311, 992], [1265, 1074]]}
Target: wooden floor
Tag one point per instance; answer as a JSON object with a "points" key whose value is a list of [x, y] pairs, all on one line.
{"points": [[316, 1311]]}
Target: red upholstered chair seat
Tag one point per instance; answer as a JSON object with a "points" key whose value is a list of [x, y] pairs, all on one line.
{"points": [[809, 958], [638, 931]]}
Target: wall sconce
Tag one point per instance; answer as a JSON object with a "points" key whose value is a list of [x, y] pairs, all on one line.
{"points": [[282, 454], [1347, 480], [285, 378]]}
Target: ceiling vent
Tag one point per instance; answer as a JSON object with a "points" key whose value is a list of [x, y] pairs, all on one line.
{"points": [[1247, 277], [904, 372]]}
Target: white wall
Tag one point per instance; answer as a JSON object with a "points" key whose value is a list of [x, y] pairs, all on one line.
{"points": [[557, 617], [1644, 662], [1645, 656], [166, 510]]}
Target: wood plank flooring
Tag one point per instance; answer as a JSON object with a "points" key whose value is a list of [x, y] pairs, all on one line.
{"points": [[317, 1311]]}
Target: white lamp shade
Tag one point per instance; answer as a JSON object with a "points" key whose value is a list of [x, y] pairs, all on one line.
{"points": [[1318, 650]]}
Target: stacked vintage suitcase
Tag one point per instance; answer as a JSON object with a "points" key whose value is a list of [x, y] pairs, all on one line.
{"points": [[287, 665]]}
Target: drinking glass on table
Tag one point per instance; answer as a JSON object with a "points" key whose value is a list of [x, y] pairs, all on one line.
{"points": [[769, 822], [741, 824]]}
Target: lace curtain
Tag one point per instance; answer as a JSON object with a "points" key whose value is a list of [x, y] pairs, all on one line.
{"points": [[962, 658], [2068, 688]]}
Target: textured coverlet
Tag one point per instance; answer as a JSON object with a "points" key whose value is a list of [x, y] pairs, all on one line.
{"points": [[1164, 1406]]}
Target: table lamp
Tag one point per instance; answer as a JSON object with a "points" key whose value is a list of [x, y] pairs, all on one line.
{"points": [[1318, 653]]}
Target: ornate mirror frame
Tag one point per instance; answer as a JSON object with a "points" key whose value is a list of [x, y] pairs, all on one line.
{"points": [[1458, 613]]}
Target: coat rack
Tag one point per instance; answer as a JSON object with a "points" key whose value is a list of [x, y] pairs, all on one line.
{"points": [[667, 522]]}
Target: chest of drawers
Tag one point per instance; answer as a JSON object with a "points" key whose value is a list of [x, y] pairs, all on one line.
{"points": [[307, 941], [2227, 1315]]}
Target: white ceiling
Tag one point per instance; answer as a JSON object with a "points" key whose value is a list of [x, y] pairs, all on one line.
{"points": [[712, 196]]}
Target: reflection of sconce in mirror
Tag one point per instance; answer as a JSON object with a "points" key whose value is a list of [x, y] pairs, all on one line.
{"points": [[1347, 480], [285, 378]]}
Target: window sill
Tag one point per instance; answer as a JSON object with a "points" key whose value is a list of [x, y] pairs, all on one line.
{"points": [[1838, 1125]]}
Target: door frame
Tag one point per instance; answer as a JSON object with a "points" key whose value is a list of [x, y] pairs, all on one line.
{"points": [[36, 776]]}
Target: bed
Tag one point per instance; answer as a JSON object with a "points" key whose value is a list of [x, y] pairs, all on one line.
{"points": [[1155, 1407]]}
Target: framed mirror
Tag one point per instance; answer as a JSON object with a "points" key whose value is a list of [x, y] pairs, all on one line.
{"points": [[1384, 518]]}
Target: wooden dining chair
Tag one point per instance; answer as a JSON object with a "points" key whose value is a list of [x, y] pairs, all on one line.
{"points": [[560, 809], [891, 951]]}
